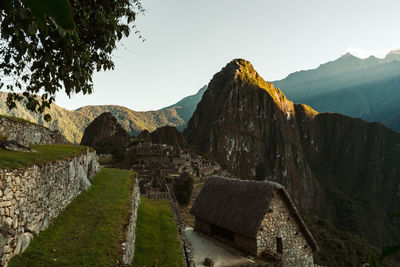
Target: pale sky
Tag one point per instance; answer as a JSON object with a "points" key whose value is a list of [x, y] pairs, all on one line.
{"points": [[188, 41]]}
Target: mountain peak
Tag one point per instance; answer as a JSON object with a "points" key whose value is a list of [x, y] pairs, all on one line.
{"points": [[347, 56], [242, 72], [396, 51], [393, 55]]}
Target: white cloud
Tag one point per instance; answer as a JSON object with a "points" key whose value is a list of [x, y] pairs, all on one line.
{"points": [[364, 53]]}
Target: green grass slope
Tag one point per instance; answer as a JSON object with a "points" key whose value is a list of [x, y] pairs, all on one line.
{"points": [[89, 231], [156, 235], [45, 153]]}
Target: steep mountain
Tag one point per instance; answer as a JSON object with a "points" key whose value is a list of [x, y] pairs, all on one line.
{"points": [[343, 169], [72, 123], [106, 135], [364, 88], [168, 135]]}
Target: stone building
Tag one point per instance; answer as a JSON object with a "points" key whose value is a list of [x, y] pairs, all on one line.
{"points": [[258, 217]]}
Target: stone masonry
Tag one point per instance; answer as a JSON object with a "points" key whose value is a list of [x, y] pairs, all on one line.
{"points": [[129, 245], [279, 226], [29, 133], [30, 198]]}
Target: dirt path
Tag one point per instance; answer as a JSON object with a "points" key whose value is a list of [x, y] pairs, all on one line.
{"points": [[222, 255]]}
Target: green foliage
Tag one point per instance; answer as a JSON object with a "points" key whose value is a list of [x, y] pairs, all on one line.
{"points": [[386, 251], [59, 10], [156, 235], [372, 261], [183, 188], [106, 161], [337, 247], [118, 154], [44, 60], [90, 230], [45, 153]]}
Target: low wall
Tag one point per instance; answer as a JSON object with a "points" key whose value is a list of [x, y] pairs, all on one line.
{"points": [[180, 223], [129, 245], [30, 198], [29, 134]]}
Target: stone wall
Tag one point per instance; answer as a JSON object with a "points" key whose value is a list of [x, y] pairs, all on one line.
{"points": [[30, 198], [129, 245], [29, 134], [279, 223], [180, 224]]}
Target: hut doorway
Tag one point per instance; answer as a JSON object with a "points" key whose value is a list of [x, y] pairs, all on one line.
{"points": [[222, 233]]}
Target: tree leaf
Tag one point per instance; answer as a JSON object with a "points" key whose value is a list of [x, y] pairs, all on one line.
{"points": [[372, 261], [59, 10], [387, 251], [396, 214], [47, 117]]}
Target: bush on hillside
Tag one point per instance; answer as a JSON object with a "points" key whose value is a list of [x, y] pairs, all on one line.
{"points": [[183, 189]]}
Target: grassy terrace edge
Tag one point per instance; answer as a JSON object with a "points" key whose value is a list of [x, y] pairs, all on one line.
{"points": [[91, 228], [18, 119], [45, 153], [156, 235]]}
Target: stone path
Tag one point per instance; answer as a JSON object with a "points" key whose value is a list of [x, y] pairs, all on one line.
{"points": [[222, 255]]}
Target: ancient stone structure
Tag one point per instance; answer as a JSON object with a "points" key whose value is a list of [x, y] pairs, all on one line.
{"points": [[30, 198], [258, 217], [26, 133], [129, 245]]}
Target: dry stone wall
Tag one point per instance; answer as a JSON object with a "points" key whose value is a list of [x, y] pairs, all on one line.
{"points": [[280, 224], [129, 245], [31, 198], [29, 134]]}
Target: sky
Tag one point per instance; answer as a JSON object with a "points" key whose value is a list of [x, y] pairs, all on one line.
{"points": [[188, 41]]}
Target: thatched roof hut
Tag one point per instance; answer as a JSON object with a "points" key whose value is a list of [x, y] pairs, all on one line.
{"points": [[241, 205]]}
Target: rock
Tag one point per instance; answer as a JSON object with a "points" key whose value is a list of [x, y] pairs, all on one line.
{"points": [[33, 228], [168, 135], [208, 262], [334, 166], [145, 135], [93, 168], [3, 240], [26, 133], [106, 135], [83, 179], [23, 242], [59, 138], [45, 224], [14, 146]]}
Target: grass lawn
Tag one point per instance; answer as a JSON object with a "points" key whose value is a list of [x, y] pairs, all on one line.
{"points": [[89, 231], [156, 235], [18, 160]]}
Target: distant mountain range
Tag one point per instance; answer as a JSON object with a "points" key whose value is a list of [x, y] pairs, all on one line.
{"points": [[363, 88], [72, 123]]}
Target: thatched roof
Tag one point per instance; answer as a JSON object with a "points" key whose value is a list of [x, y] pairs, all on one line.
{"points": [[241, 205]]}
